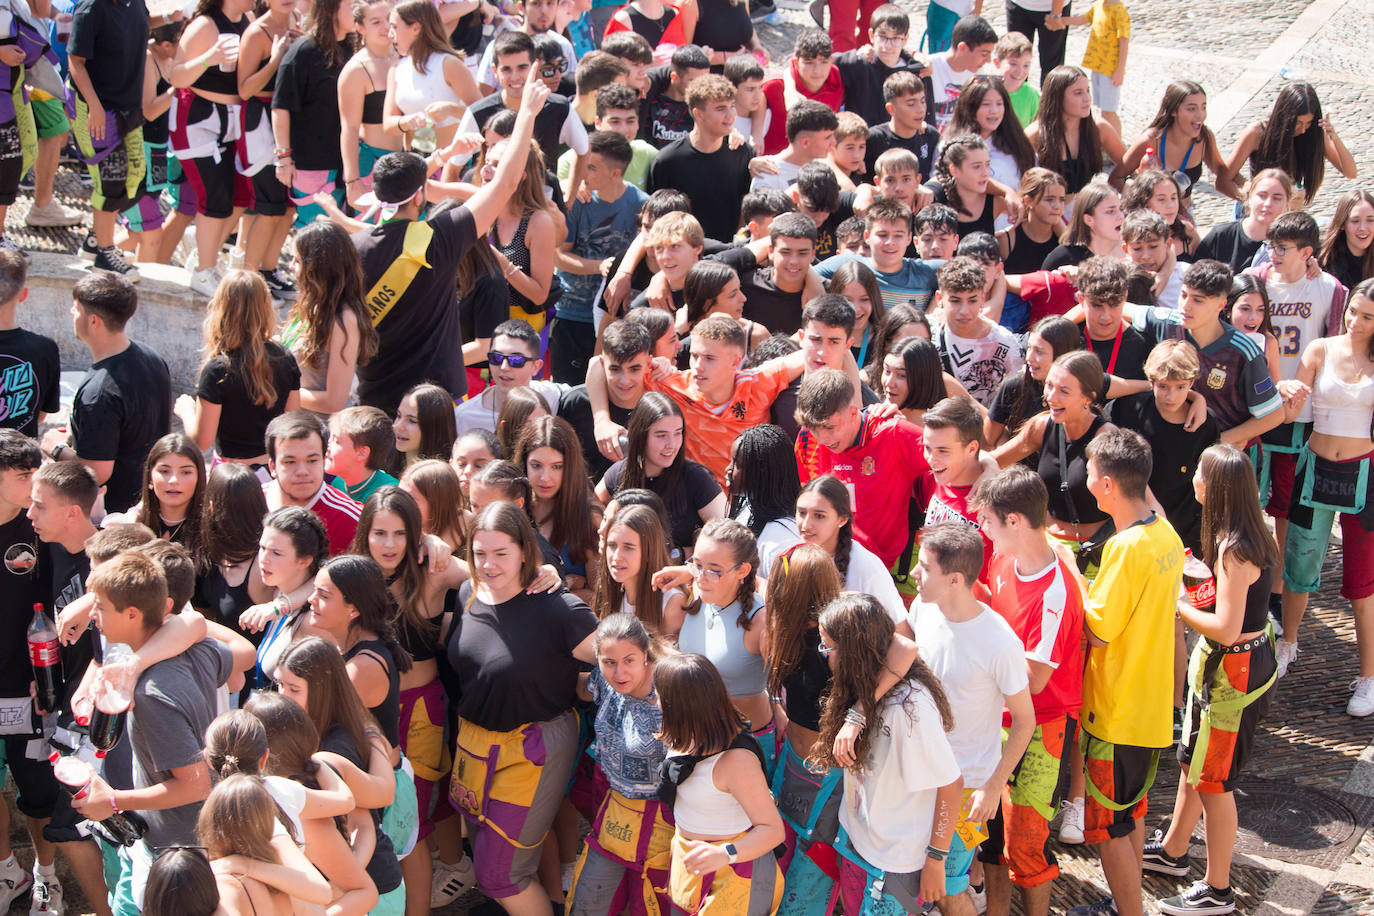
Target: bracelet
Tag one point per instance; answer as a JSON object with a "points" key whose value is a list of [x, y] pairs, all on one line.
{"points": [[514, 269], [203, 62], [938, 855], [57, 451], [114, 807], [855, 717], [352, 181], [282, 151], [281, 605]]}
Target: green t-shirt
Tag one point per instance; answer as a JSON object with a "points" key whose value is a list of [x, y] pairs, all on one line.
{"points": [[1025, 102], [638, 172], [362, 491]]}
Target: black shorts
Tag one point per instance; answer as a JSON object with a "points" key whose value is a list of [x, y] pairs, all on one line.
{"points": [[36, 788], [270, 196]]}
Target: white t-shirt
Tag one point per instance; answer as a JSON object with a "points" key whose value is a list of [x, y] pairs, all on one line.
{"points": [[787, 175], [1301, 312], [947, 83], [1168, 296], [979, 662], [980, 363], [778, 535], [889, 805], [475, 414], [868, 576], [290, 797]]}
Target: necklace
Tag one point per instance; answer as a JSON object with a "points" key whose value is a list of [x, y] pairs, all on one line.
{"points": [[172, 529]]}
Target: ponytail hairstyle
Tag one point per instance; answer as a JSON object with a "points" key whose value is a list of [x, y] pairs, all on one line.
{"points": [[653, 556], [510, 480], [744, 548], [408, 582], [1242, 284], [307, 533], [1086, 369], [952, 155], [235, 743], [360, 583], [292, 740], [802, 582], [837, 494], [631, 629], [239, 322], [860, 629]]}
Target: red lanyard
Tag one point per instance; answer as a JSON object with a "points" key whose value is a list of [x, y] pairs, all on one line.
{"points": [[1116, 347]]}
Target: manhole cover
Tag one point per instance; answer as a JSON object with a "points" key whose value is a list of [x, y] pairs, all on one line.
{"points": [[1279, 820]]}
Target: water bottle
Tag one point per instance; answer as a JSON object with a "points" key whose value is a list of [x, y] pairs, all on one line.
{"points": [[425, 140], [45, 654], [1199, 583], [1151, 160]]}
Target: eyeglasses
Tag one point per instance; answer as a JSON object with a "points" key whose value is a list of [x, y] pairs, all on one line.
{"points": [[550, 70], [824, 650], [514, 360], [889, 39], [709, 576], [1284, 249]]}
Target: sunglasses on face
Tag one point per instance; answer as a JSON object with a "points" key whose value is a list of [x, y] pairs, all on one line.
{"points": [[552, 69], [514, 360]]}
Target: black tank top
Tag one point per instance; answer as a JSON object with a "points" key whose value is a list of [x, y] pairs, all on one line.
{"points": [[1027, 255], [374, 103], [518, 254], [422, 644], [806, 684], [1257, 602], [985, 222], [1077, 171], [651, 29], [1070, 500], [214, 79], [388, 712]]}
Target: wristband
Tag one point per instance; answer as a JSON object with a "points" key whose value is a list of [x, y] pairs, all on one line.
{"points": [[114, 807], [57, 451], [203, 62], [281, 605], [855, 717], [938, 855]]}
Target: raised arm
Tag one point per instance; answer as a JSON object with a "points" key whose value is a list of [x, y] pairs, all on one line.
{"points": [[491, 198]]}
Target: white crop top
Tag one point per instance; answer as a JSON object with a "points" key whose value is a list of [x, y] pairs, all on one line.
{"points": [[1340, 408], [415, 90], [703, 809]]}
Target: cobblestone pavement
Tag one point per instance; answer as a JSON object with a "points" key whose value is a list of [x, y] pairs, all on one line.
{"points": [[1309, 799]]}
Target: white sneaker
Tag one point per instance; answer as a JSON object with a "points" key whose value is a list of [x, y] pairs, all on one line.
{"points": [[979, 896], [1362, 703], [205, 282], [450, 882], [14, 883], [1285, 653], [53, 214], [46, 899], [1071, 827]]}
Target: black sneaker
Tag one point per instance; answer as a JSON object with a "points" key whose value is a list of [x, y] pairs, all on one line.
{"points": [[281, 285], [1200, 900], [26, 183], [111, 259], [1157, 860], [1104, 907], [89, 248]]}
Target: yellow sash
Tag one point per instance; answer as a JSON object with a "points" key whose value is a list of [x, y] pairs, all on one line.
{"points": [[392, 285]]}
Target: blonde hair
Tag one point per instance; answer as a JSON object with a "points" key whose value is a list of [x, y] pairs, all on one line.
{"points": [[674, 227], [850, 125], [1172, 361], [239, 322]]}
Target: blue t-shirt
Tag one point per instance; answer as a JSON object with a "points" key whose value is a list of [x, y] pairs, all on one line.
{"points": [[913, 282], [625, 744], [596, 230]]}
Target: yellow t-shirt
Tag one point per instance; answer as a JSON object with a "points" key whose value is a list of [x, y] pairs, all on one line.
{"points": [[1109, 23], [1128, 688]]}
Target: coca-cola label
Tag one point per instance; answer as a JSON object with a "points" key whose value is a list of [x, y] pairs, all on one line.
{"points": [[45, 653], [1203, 594]]}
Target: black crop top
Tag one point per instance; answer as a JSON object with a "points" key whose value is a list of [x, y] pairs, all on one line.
{"points": [[422, 644], [806, 684], [214, 79], [374, 103], [1070, 500], [1257, 602], [388, 712]]}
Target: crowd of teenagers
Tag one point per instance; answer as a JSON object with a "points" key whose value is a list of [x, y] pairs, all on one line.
{"points": [[670, 489]]}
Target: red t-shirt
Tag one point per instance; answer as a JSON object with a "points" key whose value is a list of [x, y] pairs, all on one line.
{"points": [[1047, 292], [950, 504], [1046, 611], [335, 508], [831, 94], [880, 470]]}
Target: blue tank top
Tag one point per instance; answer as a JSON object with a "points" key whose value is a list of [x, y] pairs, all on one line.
{"points": [[714, 633]]}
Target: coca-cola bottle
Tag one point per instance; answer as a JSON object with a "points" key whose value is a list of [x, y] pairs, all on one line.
{"points": [[1199, 583], [113, 695], [122, 828], [45, 654]]}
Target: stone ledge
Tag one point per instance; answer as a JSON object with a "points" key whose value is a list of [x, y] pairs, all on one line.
{"points": [[168, 319]]}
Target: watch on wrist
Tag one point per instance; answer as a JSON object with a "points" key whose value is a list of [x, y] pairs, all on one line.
{"points": [[732, 852], [56, 452]]}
